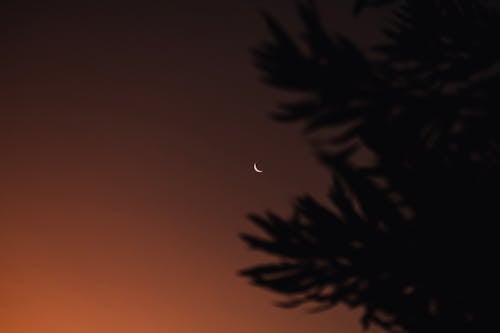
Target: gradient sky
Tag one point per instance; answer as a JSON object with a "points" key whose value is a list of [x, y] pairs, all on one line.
{"points": [[128, 133]]}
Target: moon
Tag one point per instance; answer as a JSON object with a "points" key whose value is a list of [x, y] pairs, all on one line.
{"points": [[257, 169]]}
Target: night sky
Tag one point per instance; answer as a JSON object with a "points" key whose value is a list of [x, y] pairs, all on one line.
{"points": [[128, 134]]}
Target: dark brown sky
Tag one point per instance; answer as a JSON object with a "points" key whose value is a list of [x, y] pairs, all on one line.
{"points": [[128, 133]]}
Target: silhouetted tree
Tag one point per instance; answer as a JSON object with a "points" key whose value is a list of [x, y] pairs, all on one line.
{"points": [[411, 238]]}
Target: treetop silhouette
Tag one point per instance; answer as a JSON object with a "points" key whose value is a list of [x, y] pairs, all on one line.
{"points": [[411, 237]]}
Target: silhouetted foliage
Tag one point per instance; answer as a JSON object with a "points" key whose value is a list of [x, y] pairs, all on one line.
{"points": [[411, 238]]}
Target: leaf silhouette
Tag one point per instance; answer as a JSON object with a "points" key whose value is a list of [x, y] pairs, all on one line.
{"points": [[409, 238]]}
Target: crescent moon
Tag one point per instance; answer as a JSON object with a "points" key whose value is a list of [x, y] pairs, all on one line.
{"points": [[257, 169]]}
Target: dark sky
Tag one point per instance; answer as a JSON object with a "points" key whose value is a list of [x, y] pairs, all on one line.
{"points": [[128, 133]]}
